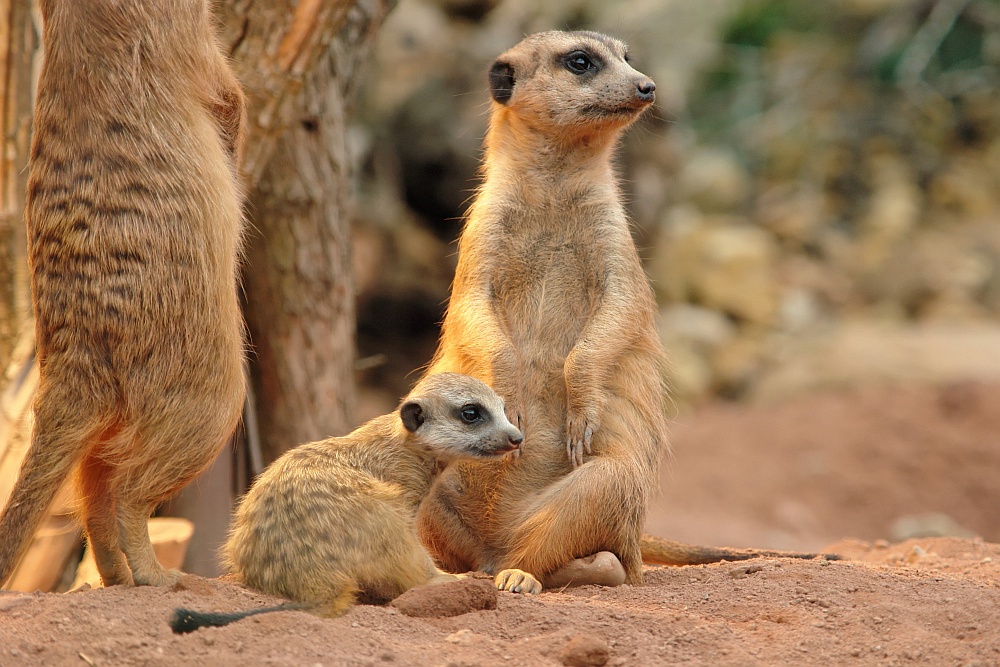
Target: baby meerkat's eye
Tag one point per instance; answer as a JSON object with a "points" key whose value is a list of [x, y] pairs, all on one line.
{"points": [[471, 414], [579, 62]]}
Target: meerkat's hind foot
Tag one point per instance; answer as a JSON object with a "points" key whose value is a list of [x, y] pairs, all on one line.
{"points": [[602, 568], [157, 577], [341, 603], [138, 549], [518, 581], [443, 577]]}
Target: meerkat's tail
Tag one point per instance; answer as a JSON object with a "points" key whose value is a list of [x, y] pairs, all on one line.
{"points": [[188, 620], [660, 551], [49, 461]]}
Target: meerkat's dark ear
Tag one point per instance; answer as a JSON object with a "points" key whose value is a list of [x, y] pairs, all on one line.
{"points": [[502, 81], [412, 415]]}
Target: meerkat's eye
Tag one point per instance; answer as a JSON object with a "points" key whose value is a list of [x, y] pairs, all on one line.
{"points": [[471, 413], [579, 62]]}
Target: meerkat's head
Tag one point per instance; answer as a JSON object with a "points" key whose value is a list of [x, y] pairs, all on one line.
{"points": [[573, 82], [456, 416]]}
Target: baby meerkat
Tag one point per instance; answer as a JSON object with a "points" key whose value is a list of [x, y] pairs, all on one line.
{"points": [[551, 307], [332, 522], [134, 217]]}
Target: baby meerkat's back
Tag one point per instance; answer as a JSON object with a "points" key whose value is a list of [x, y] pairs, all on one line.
{"points": [[332, 522]]}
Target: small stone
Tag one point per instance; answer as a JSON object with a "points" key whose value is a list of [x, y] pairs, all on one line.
{"points": [[741, 571], [462, 637], [448, 599], [585, 651]]}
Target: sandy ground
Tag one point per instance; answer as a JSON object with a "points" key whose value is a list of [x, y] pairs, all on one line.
{"points": [[824, 471]]}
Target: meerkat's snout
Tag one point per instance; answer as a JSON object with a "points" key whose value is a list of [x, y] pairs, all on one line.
{"points": [[646, 90]]}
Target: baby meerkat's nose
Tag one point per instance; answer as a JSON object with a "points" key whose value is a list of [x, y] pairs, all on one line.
{"points": [[645, 90], [515, 438]]}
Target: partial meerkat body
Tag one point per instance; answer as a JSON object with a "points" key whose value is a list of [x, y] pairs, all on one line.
{"points": [[134, 224], [551, 307], [333, 522]]}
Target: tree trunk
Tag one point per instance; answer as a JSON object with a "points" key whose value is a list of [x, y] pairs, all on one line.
{"points": [[19, 57], [298, 283]]}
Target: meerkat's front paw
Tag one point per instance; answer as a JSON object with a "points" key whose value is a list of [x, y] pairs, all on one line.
{"points": [[579, 436], [518, 581]]}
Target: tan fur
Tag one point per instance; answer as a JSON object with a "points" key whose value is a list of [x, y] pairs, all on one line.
{"points": [[551, 307], [333, 521], [134, 223]]}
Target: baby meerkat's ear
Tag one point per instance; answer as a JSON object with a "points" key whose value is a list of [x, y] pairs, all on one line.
{"points": [[412, 415], [502, 81]]}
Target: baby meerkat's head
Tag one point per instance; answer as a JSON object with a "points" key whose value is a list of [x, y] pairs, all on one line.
{"points": [[572, 81], [456, 416]]}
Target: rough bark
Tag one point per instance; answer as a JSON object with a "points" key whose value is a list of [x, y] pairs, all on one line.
{"points": [[300, 292], [275, 46], [20, 31]]}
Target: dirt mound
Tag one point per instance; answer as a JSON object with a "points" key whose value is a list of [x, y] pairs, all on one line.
{"points": [[934, 601]]}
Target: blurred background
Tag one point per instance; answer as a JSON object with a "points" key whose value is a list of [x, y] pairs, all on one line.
{"points": [[815, 198], [816, 186]]}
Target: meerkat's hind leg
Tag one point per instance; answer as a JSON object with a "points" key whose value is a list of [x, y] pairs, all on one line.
{"points": [[138, 548], [100, 516]]}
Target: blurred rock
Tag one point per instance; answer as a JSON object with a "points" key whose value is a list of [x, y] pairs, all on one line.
{"points": [[865, 353], [704, 328], [737, 272], [713, 180], [791, 177], [689, 374], [736, 364]]}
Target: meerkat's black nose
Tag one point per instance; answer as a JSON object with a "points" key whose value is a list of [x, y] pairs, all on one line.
{"points": [[644, 90], [516, 439]]}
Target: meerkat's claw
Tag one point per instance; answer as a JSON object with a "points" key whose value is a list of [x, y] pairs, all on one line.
{"points": [[577, 444], [518, 581]]}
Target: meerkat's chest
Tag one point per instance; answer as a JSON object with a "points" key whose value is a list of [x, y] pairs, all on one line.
{"points": [[548, 285]]}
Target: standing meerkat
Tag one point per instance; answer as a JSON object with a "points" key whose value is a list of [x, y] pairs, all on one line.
{"points": [[551, 307], [134, 225], [333, 522]]}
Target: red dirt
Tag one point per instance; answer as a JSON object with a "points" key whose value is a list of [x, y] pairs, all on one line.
{"points": [[797, 475]]}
